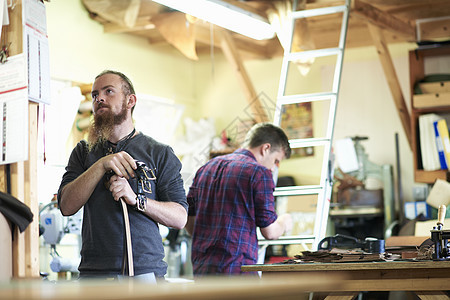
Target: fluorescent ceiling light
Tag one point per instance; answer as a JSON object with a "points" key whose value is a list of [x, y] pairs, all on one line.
{"points": [[224, 15]]}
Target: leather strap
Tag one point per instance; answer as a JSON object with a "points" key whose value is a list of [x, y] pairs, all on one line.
{"points": [[128, 238]]}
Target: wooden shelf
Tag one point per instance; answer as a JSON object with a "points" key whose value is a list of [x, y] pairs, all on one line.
{"points": [[434, 94], [435, 99], [429, 176], [431, 100]]}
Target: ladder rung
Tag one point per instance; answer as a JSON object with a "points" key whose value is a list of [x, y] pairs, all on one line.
{"points": [[301, 98], [309, 142], [293, 56], [318, 12], [297, 190], [286, 240]]}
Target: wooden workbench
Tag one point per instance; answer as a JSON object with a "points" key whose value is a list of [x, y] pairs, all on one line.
{"points": [[287, 286], [428, 279]]}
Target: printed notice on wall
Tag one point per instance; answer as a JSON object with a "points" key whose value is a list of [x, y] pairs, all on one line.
{"points": [[37, 49], [14, 126], [14, 110]]}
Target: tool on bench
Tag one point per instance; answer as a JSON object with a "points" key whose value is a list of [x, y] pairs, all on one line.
{"points": [[440, 237], [370, 245]]}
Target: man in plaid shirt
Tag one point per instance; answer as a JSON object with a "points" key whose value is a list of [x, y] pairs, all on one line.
{"points": [[230, 196]]}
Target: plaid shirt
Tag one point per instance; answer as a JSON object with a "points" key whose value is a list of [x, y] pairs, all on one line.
{"points": [[230, 196]]}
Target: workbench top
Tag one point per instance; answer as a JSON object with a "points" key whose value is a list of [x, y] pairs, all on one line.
{"points": [[422, 277], [349, 266]]}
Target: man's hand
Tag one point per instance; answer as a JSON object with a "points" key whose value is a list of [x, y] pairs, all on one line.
{"points": [[120, 188], [282, 225], [121, 163], [286, 219]]}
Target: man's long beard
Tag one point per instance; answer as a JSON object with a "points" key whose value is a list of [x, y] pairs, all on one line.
{"points": [[102, 127]]}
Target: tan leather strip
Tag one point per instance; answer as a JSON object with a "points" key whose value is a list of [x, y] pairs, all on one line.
{"points": [[128, 237]]}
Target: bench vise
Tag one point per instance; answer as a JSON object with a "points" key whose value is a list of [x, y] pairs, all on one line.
{"points": [[440, 237]]}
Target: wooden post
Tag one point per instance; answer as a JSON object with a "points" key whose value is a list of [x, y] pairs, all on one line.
{"points": [[24, 174], [392, 79]]}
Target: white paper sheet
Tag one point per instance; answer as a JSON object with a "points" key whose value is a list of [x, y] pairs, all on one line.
{"points": [[14, 126], [4, 17], [36, 44], [34, 16], [346, 155], [13, 74]]}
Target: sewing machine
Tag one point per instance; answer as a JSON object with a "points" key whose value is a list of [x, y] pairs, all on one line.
{"points": [[440, 237]]}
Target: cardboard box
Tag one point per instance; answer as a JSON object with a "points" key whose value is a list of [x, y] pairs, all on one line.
{"points": [[5, 249]]}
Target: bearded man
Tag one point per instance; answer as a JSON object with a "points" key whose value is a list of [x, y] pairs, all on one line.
{"points": [[101, 173]]}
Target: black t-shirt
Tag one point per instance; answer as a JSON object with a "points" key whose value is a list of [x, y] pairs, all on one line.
{"points": [[103, 230]]}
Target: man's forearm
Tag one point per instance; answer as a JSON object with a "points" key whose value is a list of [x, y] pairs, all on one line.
{"points": [[170, 214], [75, 194], [277, 228]]}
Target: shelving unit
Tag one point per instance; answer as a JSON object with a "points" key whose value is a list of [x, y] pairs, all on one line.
{"points": [[432, 102]]}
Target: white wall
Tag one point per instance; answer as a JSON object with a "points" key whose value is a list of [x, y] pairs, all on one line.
{"points": [[79, 50], [365, 107]]}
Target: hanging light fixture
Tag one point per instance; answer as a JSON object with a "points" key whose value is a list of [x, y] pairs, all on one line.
{"points": [[225, 15]]}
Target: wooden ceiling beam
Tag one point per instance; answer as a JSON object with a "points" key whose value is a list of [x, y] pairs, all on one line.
{"points": [[142, 23], [231, 53], [392, 79], [267, 49], [381, 19], [406, 3]]}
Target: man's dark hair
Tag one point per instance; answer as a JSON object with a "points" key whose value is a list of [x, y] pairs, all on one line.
{"points": [[263, 133], [127, 85]]}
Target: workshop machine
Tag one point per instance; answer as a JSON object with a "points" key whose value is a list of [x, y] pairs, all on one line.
{"points": [[53, 227], [440, 237], [369, 245], [353, 192]]}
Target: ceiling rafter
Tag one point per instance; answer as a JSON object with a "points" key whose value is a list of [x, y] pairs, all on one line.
{"points": [[381, 19]]}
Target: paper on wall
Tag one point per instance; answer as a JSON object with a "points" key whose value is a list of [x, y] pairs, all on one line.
{"points": [[346, 155], [35, 40], [4, 18]]}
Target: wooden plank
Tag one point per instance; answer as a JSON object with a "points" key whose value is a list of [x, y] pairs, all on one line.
{"points": [[3, 183], [24, 188], [31, 197], [392, 79], [433, 29], [142, 23], [14, 35], [14, 29], [342, 296], [18, 191], [255, 49], [24, 174], [435, 87], [231, 53], [431, 100], [418, 284], [288, 286], [429, 176], [357, 266], [432, 295], [382, 19]]}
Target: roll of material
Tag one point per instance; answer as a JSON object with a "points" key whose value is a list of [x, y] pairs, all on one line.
{"points": [[373, 245]]}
